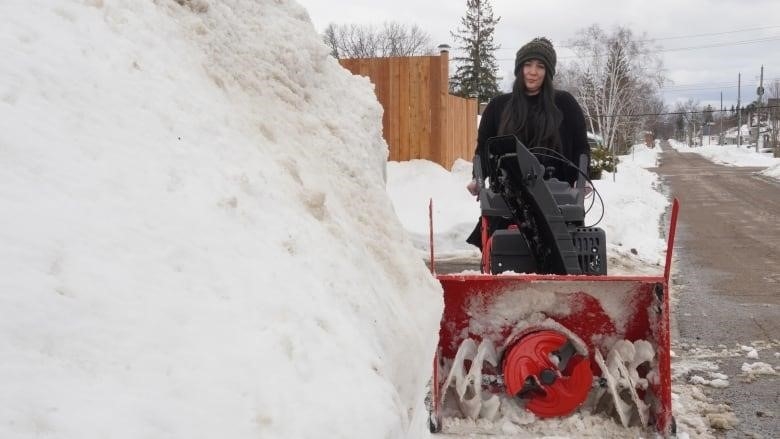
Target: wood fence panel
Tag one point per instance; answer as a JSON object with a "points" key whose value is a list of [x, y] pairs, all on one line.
{"points": [[363, 66], [420, 119], [404, 117], [452, 123], [459, 129], [381, 74], [415, 109], [392, 107], [438, 97], [423, 90], [471, 133], [449, 134]]}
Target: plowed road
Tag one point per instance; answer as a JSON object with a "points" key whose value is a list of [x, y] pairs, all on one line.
{"points": [[727, 276]]}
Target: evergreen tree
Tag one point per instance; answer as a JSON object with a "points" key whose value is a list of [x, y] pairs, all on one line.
{"points": [[476, 74], [708, 110]]}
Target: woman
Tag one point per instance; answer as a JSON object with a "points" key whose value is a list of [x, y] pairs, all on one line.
{"points": [[539, 115]]}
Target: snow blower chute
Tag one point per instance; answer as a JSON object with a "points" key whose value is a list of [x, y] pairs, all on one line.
{"points": [[565, 338]]}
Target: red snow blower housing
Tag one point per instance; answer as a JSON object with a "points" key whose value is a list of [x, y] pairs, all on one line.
{"points": [[564, 338]]}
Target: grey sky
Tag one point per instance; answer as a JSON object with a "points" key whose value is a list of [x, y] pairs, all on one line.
{"points": [[699, 73]]}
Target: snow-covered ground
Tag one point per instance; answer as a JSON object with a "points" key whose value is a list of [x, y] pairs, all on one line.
{"points": [[195, 239], [732, 155]]}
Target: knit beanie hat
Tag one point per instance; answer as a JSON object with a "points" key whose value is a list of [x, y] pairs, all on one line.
{"points": [[539, 48]]}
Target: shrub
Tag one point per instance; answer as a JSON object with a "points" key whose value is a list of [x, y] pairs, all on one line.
{"points": [[601, 160]]}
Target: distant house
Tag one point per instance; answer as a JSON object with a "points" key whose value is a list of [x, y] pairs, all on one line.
{"points": [[764, 135], [647, 138], [749, 135], [730, 135], [595, 141], [708, 135]]}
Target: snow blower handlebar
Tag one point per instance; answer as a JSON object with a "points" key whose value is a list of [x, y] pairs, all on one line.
{"points": [[545, 216]]}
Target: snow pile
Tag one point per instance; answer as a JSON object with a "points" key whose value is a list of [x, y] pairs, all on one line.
{"points": [[717, 380], [685, 365], [729, 154], [414, 183], [642, 156], [196, 239], [772, 171], [696, 413], [750, 351], [758, 368], [515, 422], [633, 207]]}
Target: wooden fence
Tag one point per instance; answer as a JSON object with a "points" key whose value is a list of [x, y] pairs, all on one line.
{"points": [[421, 119]]}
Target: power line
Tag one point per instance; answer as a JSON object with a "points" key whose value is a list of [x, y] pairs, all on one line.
{"points": [[683, 36], [706, 46], [710, 34], [765, 107], [720, 87], [679, 49], [711, 84], [714, 87], [734, 43]]}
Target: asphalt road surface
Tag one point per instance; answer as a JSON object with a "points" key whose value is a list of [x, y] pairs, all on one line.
{"points": [[727, 278]]}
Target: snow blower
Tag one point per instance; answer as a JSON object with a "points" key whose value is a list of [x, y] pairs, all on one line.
{"points": [[543, 325]]}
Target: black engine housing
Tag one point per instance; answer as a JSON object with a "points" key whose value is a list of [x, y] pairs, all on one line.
{"points": [[536, 221]]}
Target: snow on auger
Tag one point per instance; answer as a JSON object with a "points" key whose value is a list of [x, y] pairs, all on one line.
{"points": [[567, 338]]}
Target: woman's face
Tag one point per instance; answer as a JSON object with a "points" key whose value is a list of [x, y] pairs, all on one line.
{"points": [[533, 76]]}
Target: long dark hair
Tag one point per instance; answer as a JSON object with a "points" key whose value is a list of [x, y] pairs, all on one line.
{"points": [[547, 118]]}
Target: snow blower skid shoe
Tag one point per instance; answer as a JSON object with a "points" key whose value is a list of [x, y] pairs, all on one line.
{"points": [[563, 340]]}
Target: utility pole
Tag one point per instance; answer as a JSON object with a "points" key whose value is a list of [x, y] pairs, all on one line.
{"points": [[759, 92], [720, 137], [739, 111]]}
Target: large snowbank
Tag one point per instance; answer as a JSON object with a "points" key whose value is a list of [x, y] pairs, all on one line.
{"points": [[414, 183], [196, 238], [729, 154], [633, 207]]}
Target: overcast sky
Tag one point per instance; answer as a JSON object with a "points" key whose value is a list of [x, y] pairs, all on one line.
{"points": [[699, 73]]}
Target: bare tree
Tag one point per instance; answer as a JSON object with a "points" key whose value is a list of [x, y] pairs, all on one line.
{"points": [[331, 39], [691, 115], [368, 41], [566, 79], [655, 122], [400, 40], [618, 79]]}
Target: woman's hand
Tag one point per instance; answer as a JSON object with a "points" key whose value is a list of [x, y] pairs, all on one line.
{"points": [[473, 188]]}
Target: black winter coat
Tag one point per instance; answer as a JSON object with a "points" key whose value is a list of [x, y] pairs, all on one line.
{"points": [[572, 132], [573, 138]]}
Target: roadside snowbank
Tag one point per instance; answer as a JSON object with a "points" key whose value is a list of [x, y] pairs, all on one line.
{"points": [[730, 155], [196, 238]]}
